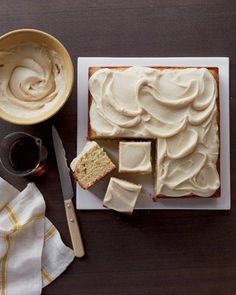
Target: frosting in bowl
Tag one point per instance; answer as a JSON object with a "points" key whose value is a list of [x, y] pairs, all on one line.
{"points": [[177, 107], [31, 79]]}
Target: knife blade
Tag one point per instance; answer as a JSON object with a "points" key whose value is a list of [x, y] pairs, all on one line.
{"points": [[68, 194]]}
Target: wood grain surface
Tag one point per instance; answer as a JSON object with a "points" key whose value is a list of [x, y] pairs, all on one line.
{"points": [[152, 252]]}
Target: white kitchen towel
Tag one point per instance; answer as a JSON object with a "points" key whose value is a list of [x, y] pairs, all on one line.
{"points": [[32, 253]]}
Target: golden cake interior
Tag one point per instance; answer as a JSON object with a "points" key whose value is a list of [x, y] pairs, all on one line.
{"points": [[92, 166]]}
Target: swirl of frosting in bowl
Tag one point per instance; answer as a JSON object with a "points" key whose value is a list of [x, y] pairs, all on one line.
{"points": [[31, 79]]}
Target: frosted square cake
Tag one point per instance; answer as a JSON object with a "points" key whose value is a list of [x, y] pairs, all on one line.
{"points": [[121, 195], [178, 108], [135, 157]]}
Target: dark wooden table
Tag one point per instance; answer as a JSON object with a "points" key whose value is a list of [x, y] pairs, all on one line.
{"points": [[171, 252]]}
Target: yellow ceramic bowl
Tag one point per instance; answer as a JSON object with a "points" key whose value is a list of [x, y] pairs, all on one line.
{"points": [[30, 35]]}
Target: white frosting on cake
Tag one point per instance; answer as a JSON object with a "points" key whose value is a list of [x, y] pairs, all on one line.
{"points": [[135, 156], [186, 162], [88, 146], [175, 106], [121, 195], [31, 79], [150, 103]]}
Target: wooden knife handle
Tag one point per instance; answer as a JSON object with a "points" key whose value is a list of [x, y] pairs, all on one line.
{"points": [[74, 229]]}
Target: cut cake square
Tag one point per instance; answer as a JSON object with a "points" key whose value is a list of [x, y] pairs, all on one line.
{"points": [[135, 156], [91, 165], [121, 195]]}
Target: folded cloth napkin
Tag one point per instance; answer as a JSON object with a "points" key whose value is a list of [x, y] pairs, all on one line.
{"points": [[32, 253]]}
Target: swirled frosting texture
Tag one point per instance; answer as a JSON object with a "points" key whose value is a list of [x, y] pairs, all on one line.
{"points": [[31, 79], [177, 107]]}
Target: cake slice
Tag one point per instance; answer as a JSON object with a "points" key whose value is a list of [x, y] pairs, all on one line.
{"points": [[91, 165], [121, 195], [135, 157]]}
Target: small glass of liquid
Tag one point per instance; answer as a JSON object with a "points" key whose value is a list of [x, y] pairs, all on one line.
{"points": [[22, 154]]}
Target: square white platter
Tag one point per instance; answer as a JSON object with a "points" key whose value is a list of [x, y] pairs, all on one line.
{"points": [[92, 199]]}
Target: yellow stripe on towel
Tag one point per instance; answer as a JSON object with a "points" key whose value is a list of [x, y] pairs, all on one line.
{"points": [[16, 226], [13, 218], [46, 275], [51, 231], [4, 266]]}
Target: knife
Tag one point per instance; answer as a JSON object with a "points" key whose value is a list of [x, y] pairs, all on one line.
{"points": [[68, 194]]}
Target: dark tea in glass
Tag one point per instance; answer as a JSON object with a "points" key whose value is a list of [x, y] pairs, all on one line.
{"points": [[23, 154]]}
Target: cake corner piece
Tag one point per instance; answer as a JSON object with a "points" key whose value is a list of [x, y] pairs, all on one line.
{"points": [[121, 195], [91, 165]]}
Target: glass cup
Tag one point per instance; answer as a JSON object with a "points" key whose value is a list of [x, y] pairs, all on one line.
{"points": [[22, 154]]}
